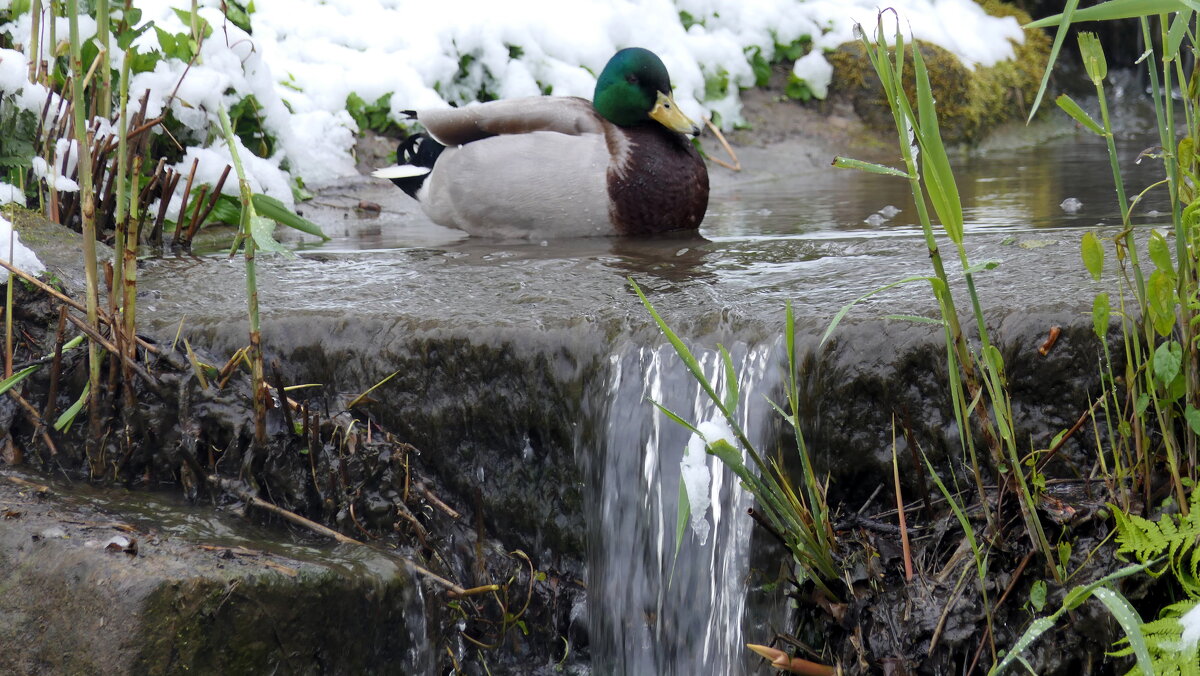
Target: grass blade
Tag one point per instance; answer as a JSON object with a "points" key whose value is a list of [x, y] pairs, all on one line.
{"points": [[1107, 11], [841, 314], [1063, 21], [870, 167], [1131, 624], [1078, 114], [276, 211]]}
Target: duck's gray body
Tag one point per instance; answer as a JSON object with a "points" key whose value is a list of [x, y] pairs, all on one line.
{"points": [[542, 167]]}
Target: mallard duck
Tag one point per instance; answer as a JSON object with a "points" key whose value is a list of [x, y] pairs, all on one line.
{"points": [[559, 166]]}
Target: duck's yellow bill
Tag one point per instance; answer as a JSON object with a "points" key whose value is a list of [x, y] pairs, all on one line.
{"points": [[669, 115]]}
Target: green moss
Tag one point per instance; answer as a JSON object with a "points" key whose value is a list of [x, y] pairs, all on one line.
{"points": [[970, 102]]}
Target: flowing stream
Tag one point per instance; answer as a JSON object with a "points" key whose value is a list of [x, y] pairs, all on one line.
{"points": [[652, 610], [768, 239]]}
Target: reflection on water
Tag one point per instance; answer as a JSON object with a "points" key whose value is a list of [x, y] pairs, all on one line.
{"points": [[1004, 189]]}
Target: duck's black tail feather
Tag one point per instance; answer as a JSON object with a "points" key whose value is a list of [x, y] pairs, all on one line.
{"points": [[418, 150]]}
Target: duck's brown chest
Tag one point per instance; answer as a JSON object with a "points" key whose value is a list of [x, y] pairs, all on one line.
{"points": [[660, 183]]}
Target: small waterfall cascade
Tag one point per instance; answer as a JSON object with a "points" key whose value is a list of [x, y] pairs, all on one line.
{"points": [[650, 611]]}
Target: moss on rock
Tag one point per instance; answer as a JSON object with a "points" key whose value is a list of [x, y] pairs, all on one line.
{"points": [[970, 102]]}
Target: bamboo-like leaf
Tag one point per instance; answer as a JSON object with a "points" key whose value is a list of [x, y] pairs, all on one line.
{"points": [[939, 177], [1075, 597], [263, 232], [68, 416], [274, 209], [1178, 30], [15, 379], [357, 400], [870, 167], [1093, 57], [917, 319], [1078, 114], [674, 417], [685, 355], [1063, 22], [981, 266], [685, 512], [1107, 11]]}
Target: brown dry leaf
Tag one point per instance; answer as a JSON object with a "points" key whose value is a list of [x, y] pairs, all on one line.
{"points": [[286, 570]]}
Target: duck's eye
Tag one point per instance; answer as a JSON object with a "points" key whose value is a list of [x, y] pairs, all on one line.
{"points": [[631, 79]]}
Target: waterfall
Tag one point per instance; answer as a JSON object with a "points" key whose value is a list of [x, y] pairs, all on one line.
{"points": [[650, 612]]}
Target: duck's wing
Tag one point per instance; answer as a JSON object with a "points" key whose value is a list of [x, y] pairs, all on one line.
{"points": [[563, 114], [539, 184]]}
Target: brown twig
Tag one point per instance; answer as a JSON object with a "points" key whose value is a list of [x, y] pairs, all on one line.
{"points": [[56, 364], [183, 202], [234, 488], [437, 502], [37, 420], [107, 345], [904, 544], [1074, 428], [737, 165]]}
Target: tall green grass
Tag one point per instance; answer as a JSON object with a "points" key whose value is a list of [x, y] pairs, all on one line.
{"points": [[1152, 399]]}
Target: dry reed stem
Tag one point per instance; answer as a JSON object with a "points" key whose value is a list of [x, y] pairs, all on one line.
{"points": [[737, 165], [234, 488]]}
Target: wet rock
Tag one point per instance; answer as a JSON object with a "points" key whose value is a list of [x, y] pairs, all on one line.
{"points": [[200, 593]]}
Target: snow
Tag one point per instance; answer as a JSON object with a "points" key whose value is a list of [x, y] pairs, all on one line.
{"points": [[22, 258], [1191, 628], [694, 473], [306, 56], [11, 194]]}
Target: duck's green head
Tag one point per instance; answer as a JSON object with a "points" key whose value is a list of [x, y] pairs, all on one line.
{"points": [[634, 88]]}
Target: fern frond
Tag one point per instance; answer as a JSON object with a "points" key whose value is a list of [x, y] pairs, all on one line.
{"points": [[1175, 537], [1164, 639]]}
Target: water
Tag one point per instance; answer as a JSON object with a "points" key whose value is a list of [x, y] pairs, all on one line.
{"points": [[652, 611], [769, 237]]}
